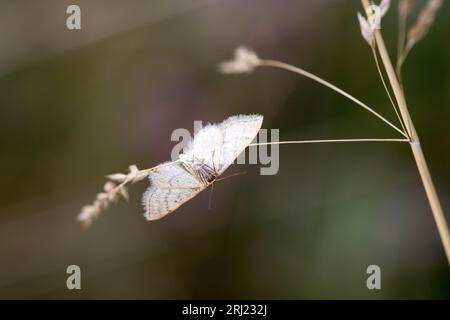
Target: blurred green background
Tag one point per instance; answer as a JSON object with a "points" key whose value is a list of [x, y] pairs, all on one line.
{"points": [[76, 105]]}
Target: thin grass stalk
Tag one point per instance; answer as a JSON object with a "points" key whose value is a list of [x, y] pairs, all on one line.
{"points": [[325, 141], [419, 157]]}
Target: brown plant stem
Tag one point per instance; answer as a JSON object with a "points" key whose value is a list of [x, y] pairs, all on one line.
{"points": [[419, 157]]}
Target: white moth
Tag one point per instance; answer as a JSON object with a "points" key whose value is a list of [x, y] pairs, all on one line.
{"points": [[212, 150]]}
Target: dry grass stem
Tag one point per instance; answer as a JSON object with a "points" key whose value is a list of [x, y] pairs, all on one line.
{"points": [[419, 157], [405, 7], [326, 141], [386, 89]]}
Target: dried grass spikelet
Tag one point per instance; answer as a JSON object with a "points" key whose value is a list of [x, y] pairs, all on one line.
{"points": [[245, 60], [424, 22], [113, 190], [373, 22], [384, 7], [366, 30], [405, 7]]}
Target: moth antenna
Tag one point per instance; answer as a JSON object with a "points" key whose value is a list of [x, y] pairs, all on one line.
{"points": [[232, 175]]}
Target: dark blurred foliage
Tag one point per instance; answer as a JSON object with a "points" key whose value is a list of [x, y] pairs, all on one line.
{"points": [[76, 105]]}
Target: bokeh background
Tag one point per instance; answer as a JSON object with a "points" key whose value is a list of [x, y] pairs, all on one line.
{"points": [[76, 105]]}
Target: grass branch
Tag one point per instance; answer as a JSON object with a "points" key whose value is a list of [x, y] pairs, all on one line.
{"points": [[326, 141], [285, 66], [380, 73]]}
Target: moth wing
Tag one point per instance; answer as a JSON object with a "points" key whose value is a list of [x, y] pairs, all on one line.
{"points": [[205, 147], [238, 132], [170, 186]]}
